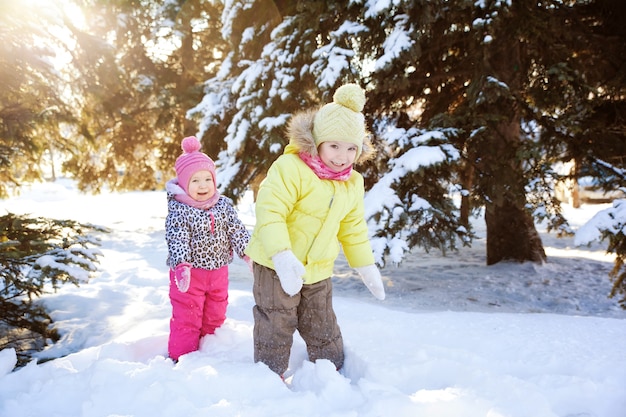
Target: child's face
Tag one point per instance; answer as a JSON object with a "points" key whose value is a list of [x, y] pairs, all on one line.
{"points": [[201, 186], [337, 155]]}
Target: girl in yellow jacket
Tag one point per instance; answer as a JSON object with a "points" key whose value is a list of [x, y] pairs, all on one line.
{"points": [[308, 208]]}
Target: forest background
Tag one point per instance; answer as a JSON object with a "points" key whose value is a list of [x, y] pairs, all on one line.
{"points": [[474, 107]]}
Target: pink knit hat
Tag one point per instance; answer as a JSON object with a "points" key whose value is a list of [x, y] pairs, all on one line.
{"points": [[192, 161]]}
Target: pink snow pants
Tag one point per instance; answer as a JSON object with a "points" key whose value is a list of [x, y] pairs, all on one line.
{"points": [[199, 311]]}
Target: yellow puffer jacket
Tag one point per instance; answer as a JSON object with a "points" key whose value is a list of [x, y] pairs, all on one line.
{"points": [[312, 217]]}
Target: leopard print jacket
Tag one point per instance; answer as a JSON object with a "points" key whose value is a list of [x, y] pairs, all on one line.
{"points": [[206, 239]]}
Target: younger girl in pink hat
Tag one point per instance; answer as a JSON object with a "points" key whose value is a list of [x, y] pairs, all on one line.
{"points": [[202, 230]]}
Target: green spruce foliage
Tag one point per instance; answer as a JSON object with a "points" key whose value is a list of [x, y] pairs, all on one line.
{"points": [[37, 256], [32, 106]]}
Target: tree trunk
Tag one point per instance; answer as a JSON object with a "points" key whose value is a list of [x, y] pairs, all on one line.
{"points": [[467, 177], [511, 235], [511, 232], [52, 161], [575, 186]]}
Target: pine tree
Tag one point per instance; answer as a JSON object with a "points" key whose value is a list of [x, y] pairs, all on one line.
{"points": [[509, 82], [262, 81], [594, 126], [136, 71], [32, 106], [38, 255]]}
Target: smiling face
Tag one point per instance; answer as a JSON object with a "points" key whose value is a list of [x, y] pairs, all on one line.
{"points": [[337, 155], [201, 186]]}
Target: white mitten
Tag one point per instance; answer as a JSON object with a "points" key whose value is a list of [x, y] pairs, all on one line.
{"points": [[372, 280], [289, 270]]}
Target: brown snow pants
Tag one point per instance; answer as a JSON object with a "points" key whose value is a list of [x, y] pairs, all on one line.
{"points": [[277, 316]]}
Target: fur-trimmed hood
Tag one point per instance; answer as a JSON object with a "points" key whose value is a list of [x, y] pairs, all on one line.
{"points": [[300, 135]]}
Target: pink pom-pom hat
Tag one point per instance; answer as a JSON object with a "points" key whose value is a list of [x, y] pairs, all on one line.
{"points": [[192, 161]]}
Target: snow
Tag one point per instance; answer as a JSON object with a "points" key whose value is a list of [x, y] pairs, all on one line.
{"points": [[453, 337], [398, 41], [612, 220]]}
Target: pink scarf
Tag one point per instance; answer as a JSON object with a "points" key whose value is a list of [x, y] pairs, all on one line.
{"points": [[322, 171], [181, 196]]}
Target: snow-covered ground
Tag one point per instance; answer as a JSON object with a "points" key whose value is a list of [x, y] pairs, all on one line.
{"points": [[453, 338]]}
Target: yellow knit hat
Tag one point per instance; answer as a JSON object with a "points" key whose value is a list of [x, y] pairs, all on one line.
{"points": [[342, 119]]}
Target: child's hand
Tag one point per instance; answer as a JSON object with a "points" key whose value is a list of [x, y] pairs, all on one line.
{"points": [[372, 280], [248, 262], [182, 276], [289, 270]]}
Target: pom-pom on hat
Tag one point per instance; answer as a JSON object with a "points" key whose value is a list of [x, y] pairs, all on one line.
{"points": [[192, 161], [342, 119]]}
